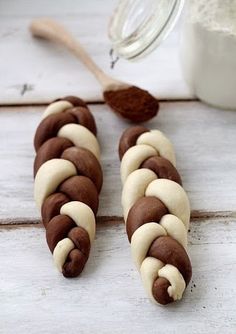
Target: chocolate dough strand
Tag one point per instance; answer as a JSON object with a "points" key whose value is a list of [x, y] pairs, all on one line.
{"points": [[156, 212], [68, 179]]}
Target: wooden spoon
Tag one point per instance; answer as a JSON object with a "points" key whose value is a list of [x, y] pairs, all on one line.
{"points": [[128, 101]]}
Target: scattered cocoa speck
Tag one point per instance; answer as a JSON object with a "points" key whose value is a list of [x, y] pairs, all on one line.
{"points": [[194, 285], [43, 292], [204, 307], [112, 59], [26, 88], [132, 103]]}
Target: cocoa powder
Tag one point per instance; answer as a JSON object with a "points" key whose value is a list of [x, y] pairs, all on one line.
{"points": [[132, 103]]}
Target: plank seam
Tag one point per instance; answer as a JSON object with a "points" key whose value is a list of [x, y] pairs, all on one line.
{"points": [[195, 216], [100, 102]]}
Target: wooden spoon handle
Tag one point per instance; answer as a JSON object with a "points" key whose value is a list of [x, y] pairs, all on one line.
{"points": [[55, 32]]}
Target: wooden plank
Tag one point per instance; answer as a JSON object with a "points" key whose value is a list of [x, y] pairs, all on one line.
{"points": [[35, 71], [109, 296], [204, 139]]}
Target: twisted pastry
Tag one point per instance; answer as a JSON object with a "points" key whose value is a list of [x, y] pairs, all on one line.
{"points": [[156, 213], [68, 179]]}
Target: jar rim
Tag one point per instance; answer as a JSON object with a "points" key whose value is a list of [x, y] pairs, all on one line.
{"points": [[147, 34]]}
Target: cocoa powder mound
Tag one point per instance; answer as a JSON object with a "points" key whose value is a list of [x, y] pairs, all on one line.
{"points": [[132, 103]]}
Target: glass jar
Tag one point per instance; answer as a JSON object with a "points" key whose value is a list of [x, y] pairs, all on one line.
{"points": [[208, 43], [137, 27], [208, 51]]}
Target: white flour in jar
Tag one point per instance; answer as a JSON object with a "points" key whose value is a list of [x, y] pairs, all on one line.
{"points": [[208, 52]]}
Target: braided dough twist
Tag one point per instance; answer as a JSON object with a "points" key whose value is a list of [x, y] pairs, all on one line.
{"points": [[68, 179], [156, 213]]}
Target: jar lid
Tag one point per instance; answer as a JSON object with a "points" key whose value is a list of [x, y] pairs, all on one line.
{"points": [[137, 27]]}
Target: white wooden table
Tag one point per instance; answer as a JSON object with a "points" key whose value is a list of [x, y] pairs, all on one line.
{"points": [[108, 297]]}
